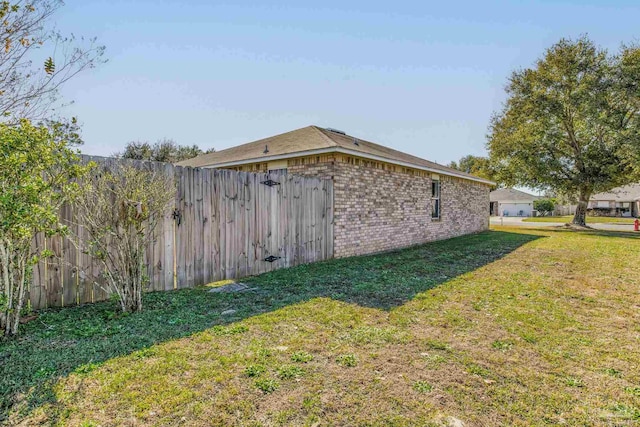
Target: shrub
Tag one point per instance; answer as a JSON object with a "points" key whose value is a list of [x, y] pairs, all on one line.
{"points": [[37, 169], [544, 206], [119, 209]]}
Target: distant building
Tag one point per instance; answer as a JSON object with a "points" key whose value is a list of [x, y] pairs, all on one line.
{"points": [[511, 202], [621, 201]]}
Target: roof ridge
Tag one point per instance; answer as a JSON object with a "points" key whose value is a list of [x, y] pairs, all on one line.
{"points": [[325, 136]]}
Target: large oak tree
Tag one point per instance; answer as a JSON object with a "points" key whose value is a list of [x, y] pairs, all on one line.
{"points": [[571, 123], [475, 165]]}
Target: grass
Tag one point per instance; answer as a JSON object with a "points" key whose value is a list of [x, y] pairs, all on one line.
{"points": [[511, 327], [590, 219]]}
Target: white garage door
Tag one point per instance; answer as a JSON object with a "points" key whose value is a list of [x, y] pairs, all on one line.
{"points": [[516, 209]]}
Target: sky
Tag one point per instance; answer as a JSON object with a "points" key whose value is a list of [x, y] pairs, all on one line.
{"points": [[419, 76]]}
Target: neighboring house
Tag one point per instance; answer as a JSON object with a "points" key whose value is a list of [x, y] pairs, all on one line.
{"points": [[383, 199], [511, 202], [621, 201]]}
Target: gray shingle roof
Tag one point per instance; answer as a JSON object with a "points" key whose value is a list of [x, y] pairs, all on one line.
{"points": [[313, 138], [511, 195], [626, 193]]}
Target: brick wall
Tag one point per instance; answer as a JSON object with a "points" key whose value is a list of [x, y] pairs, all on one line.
{"points": [[378, 210]]}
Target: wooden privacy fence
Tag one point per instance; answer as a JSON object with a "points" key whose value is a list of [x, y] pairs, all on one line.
{"points": [[224, 225]]}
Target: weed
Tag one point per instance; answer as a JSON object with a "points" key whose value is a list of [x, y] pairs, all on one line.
{"points": [[437, 345], [289, 372], [301, 357], [422, 387], [626, 412], [86, 368], [310, 402], [613, 372], [574, 382], [254, 370], [478, 370], [347, 360], [634, 391], [434, 360], [502, 345], [267, 385], [229, 330], [44, 372], [264, 353], [89, 329], [144, 353]]}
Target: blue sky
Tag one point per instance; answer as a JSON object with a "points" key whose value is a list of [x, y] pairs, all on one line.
{"points": [[422, 77]]}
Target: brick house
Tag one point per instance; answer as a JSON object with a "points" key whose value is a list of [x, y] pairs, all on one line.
{"points": [[383, 198], [621, 201]]}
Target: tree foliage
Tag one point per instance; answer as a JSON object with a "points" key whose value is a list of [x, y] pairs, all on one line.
{"points": [[164, 150], [37, 169], [571, 123], [35, 60], [475, 165], [119, 209], [544, 206]]}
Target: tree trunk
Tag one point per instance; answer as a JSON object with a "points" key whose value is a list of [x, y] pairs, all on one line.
{"points": [[14, 272], [580, 217]]}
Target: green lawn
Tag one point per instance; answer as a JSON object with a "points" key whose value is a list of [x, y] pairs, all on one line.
{"points": [[590, 219], [510, 327]]}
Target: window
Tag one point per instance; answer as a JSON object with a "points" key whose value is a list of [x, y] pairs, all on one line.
{"points": [[435, 199], [282, 171]]}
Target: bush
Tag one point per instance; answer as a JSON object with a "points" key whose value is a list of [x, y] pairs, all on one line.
{"points": [[119, 209], [37, 169], [544, 206]]}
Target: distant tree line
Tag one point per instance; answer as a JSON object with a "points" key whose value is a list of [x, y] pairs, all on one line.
{"points": [[163, 150], [475, 165]]}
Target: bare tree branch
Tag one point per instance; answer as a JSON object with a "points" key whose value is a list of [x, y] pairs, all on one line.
{"points": [[36, 60]]}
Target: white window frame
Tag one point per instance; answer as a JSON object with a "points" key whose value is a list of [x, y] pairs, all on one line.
{"points": [[436, 200]]}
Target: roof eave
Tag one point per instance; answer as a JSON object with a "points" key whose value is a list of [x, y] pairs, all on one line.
{"points": [[345, 151]]}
